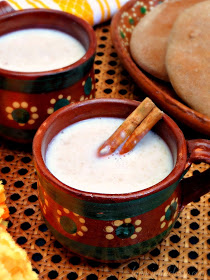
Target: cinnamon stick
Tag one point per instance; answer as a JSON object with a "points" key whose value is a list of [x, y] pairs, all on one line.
{"points": [[126, 128], [152, 118]]}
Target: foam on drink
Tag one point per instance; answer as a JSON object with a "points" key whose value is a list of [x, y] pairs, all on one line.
{"points": [[72, 158], [38, 49]]}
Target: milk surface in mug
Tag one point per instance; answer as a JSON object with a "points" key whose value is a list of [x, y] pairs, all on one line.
{"points": [[38, 49], [72, 158]]}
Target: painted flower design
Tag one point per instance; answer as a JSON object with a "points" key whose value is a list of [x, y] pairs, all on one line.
{"points": [[88, 86], [71, 222], [43, 200], [22, 113], [171, 212], [58, 103], [122, 229], [128, 20], [74, 225]]}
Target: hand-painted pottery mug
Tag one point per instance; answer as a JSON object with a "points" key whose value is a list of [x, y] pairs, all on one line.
{"points": [[117, 227], [28, 98]]}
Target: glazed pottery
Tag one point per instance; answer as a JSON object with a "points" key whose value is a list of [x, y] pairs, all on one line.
{"points": [[159, 91], [112, 227], [27, 99]]}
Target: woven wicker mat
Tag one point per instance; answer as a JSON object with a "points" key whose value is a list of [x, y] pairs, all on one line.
{"points": [[183, 255]]}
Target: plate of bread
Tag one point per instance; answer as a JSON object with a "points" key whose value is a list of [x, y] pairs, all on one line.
{"points": [[165, 47]]}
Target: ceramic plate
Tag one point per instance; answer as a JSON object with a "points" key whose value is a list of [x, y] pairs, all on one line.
{"points": [[159, 91]]}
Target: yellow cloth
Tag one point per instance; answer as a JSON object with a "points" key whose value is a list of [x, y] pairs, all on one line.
{"points": [[93, 11]]}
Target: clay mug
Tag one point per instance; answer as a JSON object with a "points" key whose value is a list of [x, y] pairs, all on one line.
{"points": [[28, 98], [117, 227]]}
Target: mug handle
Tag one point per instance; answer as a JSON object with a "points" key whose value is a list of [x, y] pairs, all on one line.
{"points": [[5, 8], [197, 185]]}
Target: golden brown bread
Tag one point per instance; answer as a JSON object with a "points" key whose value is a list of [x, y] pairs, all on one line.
{"points": [[4, 212], [188, 57], [149, 38], [14, 262]]}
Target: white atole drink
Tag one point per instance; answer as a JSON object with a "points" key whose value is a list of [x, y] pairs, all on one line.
{"points": [[38, 49], [72, 158]]}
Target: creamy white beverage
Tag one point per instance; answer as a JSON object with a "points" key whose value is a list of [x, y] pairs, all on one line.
{"points": [[72, 158], [38, 49]]}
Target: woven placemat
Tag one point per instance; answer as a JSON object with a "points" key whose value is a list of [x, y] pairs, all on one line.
{"points": [[183, 255]]}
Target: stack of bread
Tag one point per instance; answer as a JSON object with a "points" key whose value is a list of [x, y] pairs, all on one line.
{"points": [[172, 43], [14, 263]]}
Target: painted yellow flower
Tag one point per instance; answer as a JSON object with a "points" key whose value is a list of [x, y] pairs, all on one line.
{"points": [[22, 113], [123, 229], [171, 212]]}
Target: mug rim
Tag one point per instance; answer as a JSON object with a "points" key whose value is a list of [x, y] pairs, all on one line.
{"points": [[173, 177], [84, 24]]}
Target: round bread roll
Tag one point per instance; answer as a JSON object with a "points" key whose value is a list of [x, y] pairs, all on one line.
{"points": [[188, 57], [149, 38]]}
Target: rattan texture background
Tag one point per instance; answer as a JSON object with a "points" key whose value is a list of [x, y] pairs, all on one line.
{"points": [[184, 254]]}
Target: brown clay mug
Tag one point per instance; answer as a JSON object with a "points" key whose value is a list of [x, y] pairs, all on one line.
{"points": [[112, 227], [28, 98]]}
